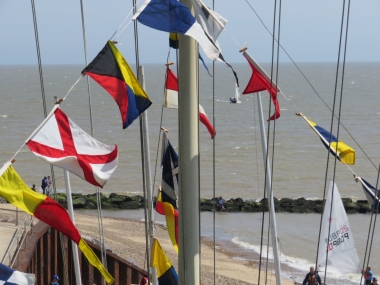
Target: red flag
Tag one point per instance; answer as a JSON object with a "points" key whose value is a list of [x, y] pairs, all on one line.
{"points": [[260, 81], [171, 101]]}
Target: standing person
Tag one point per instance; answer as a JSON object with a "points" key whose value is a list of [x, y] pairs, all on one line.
{"points": [[312, 277], [367, 275], [48, 180], [44, 185], [55, 280]]}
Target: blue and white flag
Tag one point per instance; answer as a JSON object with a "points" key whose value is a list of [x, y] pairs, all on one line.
{"points": [[173, 17], [169, 164], [372, 194], [9, 276]]}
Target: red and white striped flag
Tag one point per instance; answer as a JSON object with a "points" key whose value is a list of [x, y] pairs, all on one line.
{"points": [[171, 101], [62, 143]]}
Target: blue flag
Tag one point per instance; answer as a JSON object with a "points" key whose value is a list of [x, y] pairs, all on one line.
{"points": [[372, 194], [173, 17], [169, 164]]}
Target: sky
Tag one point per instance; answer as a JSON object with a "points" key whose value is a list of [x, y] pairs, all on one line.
{"points": [[309, 31]]}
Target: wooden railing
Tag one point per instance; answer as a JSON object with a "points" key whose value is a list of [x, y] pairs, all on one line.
{"points": [[48, 253]]}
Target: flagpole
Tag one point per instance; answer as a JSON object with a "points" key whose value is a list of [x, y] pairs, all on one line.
{"points": [[148, 176], [71, 214], [188, 190], [276, 257]]}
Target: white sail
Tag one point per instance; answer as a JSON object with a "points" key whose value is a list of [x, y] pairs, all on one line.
{"points": [[338, 244]]}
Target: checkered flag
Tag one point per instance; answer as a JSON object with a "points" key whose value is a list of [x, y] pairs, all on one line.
{"points": [[9, 276]]}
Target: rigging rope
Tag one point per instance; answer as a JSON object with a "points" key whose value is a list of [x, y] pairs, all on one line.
{"points": [[311, 85], [371, 227], [270, 194], [97, 190], [332, 122], [134, 11], [66, 275], [213, 166], [142, 137]]}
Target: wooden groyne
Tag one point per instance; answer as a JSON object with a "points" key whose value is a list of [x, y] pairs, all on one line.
{"points": [[48, 253]]}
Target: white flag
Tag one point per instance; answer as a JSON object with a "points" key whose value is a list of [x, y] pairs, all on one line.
{"points": [[62, 143]]}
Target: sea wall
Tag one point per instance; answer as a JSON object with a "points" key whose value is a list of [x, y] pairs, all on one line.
{"points": [[300, 205]]}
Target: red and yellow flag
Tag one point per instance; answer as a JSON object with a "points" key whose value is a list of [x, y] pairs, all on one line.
{"points": [[15, 191], [171, 216]]}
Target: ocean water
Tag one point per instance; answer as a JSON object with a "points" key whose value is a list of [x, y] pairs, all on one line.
{"points": [[299, 158]]}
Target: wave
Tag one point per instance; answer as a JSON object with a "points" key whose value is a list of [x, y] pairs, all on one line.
{"points": [[300, 264]]}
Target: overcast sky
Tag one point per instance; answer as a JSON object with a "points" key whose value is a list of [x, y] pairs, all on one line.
{"points": [[309, 31]]}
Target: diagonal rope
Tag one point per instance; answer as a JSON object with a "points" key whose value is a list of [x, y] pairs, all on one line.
{"points": [[65, 269], [311, 85], [332, 119]]}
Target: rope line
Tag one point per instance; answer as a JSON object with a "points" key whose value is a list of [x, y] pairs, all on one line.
{"points": [[332, 118], [311, 85], [142, 137], [65, 269], [134, 10], [374, 224], [213, 166]]}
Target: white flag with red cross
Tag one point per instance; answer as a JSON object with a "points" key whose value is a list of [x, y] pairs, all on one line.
{"points": [[62, 143]]}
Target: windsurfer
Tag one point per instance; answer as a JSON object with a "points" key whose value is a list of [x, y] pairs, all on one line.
{"points": [[312, 278]]}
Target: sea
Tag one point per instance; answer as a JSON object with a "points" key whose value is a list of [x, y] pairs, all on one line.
{"points": [[298, 158]]}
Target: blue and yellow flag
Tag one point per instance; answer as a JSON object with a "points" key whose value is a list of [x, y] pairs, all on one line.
{"points": [[112, 72], [165, 270], [343, 152]]}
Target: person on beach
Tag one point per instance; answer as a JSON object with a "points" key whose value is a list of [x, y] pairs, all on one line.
{"points": [[48, 182], [44, 185], [367, 275], [34, 187], [221, 203], [374, 281], [312, 277], [55, 280]]}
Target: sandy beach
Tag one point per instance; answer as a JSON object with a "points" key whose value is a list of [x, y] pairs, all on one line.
{"points": [[127, 239]]}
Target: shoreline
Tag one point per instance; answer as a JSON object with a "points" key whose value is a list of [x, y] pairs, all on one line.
{"points": [[230, 269]]}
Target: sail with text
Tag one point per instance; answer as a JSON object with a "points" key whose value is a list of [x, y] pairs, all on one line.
{"points": [[165, 271], [343, 152], [11, 276], [15, 191], [171, 100], [60, 142], [337, 243], [167, 197], [260, 81], [372, 194], [111, 71]]}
